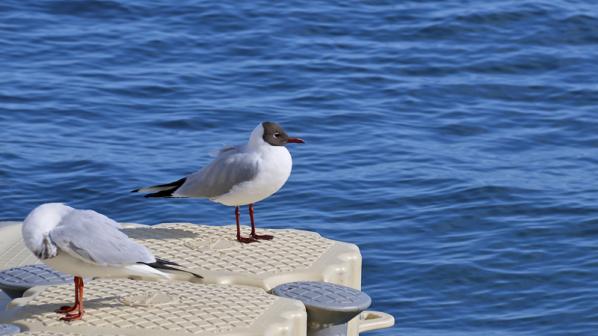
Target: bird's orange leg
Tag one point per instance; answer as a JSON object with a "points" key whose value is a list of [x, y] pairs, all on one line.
{"points": [[80, 311], [253, 234], [239, 238], [68, 309]]}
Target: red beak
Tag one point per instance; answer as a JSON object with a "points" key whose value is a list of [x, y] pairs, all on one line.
{"points": [[295, 140]]}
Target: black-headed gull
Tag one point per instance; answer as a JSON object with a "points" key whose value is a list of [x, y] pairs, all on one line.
{"points": [[239, 175], [85, 243]]}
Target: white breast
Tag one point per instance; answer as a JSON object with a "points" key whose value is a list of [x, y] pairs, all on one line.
{"points": [[275, 166]]}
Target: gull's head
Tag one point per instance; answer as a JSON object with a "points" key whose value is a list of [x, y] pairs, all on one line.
{"points": [[41, 221], [272, 134], [48, 212]]}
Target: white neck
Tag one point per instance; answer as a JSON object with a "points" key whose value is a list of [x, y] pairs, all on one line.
{"points": [[256, 139], [41, 221]]}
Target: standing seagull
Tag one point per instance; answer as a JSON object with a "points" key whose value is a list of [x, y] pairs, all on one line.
{"points": [[239, 175], [85, 243]]}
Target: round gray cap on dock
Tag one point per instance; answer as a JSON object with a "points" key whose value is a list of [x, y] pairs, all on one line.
{"points": [[9, 329], [326, 303], [14, 281]]}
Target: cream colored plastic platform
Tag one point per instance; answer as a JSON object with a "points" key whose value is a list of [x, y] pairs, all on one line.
{"points": [[13, 252], [126, 307], [292, 255], [213, 252]]}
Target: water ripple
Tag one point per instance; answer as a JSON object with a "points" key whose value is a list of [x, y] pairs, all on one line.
{"points": [[453, 141]]}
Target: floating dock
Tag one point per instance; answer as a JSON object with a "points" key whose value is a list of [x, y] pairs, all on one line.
{"points": [[234, 298]]}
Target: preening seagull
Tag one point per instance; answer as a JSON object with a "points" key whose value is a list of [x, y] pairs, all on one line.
{"points": [[239, 175], [85, 243]]}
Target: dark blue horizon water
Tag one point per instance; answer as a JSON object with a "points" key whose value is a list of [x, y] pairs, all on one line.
{"points": [[454, 141]]}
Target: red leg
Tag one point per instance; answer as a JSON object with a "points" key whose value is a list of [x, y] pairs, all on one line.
{"points": [[253, 234], [80, 311], [68, 309], [239, 238]]}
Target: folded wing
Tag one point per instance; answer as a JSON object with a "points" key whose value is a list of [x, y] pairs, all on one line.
{"points": [[94, 238], [230, 168]]}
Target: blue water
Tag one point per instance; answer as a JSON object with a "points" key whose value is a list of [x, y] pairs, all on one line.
{"points": [[454, 141]]}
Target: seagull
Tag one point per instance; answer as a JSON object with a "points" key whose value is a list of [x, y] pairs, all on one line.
{"points": [[85, 243], [239, 175]]}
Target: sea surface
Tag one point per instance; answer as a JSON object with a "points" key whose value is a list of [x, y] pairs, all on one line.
{"points": [[456, 142]]}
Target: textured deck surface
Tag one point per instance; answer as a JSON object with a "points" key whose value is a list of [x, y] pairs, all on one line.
{"points": [[216, 306], [292, 255], [126, 307], [13, 252], [213, 252], [214, 248]]}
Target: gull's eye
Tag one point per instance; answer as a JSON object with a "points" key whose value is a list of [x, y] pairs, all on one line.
{"points": [[276, 135]]}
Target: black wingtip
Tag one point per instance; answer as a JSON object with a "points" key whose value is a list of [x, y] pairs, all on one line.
{"points": [[163, 261], [162, 190], [196, 275], [168, 265], [162, 193]]}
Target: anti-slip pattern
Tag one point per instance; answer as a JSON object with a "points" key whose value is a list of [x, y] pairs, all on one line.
{"points": [[114, 305], [13, 252], [214, 248]]}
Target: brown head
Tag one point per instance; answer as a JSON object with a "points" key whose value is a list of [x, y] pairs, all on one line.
{"points": [[276, 136]]}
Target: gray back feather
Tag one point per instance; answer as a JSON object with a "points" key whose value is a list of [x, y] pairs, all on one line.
{"points": [[232, 166], [94, 238]]}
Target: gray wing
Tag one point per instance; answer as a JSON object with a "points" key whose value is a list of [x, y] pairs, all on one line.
{"points": [[85, 234], [232, 166]]}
